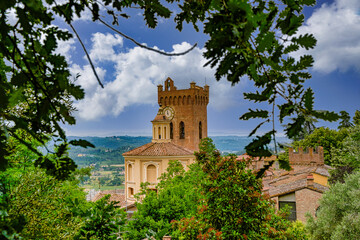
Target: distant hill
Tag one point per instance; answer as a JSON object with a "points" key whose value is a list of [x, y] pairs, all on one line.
{"points": [[109, 150]]}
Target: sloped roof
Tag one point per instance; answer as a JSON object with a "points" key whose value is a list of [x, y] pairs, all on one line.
{"points": [[118, 197], [279, 181], [160, 118], [159, 149], [245, 156]]}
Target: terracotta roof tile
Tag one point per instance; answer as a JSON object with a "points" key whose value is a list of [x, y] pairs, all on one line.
{"points": [[118, 197], [159, 149], [160, 118]]}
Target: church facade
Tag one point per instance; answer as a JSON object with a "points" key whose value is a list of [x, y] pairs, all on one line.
{"points": [[177, 129]]}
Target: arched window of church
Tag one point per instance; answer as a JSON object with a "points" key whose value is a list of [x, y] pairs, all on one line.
{"points": [[182, 130], [166, 101], [151, 174], [159, 133], [165, 133], [179, 100], [200, 130], [171, 130], [184, 100], [175, 100], [189, 100], [130, 170]]}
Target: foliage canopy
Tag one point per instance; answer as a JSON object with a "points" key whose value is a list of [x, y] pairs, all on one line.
{"points": [[233, 205], [338, 216]]}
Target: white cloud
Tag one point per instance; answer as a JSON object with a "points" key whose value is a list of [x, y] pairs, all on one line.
{"points": [[103, 46], [66, 48], [336, 27], [86, 15], [137, 72]]}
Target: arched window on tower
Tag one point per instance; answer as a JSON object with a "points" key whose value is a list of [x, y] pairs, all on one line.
{"points": [[171, 130], [200, 130], [182, 130], [159, 133]]}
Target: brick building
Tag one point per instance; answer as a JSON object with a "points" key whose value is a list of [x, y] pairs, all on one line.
{"points": [[302, 187], [178, 127]]}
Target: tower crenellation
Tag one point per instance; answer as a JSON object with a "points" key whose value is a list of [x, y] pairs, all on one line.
{"points": [[307, 156]]}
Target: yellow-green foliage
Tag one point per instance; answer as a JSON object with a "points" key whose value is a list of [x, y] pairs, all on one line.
{"points": [[339, 214], [46, 206]]}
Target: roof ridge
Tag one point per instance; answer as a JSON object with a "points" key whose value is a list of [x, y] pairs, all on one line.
{"points": [[159, 149]]}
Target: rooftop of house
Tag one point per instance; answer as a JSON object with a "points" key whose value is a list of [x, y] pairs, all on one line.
{"points": [[159, 149], [308, 171], [114, 196]]}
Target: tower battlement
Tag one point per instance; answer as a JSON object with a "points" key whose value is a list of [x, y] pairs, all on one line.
{"points": [[307, 156], [169, 95]]}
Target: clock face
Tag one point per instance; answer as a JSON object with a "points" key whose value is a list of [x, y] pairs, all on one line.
{"points": [[169, 112]]}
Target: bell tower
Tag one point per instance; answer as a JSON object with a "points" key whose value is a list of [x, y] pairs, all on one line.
{"points": [[182, 113]]}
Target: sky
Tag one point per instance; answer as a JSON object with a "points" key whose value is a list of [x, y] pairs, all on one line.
{"points": [[128, 101]]}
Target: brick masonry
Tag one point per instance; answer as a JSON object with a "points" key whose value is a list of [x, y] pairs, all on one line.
{"points": [[190, 107], [307, 201], [307, 179]]}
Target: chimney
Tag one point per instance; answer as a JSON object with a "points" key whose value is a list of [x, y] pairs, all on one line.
{"points": [[310, 180]]}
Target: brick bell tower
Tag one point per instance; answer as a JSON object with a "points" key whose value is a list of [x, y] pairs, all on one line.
{"points": [[186, 113]]}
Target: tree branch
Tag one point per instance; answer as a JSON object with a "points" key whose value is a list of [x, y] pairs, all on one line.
{"points": [[144, 46], [87, 55]]}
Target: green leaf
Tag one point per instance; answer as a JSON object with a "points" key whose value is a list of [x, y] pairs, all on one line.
{"points": [[291, 48], [286, 109], [254, 114], [82, 143], [50, 43], [95, 11], [258, 147], [257, 127], [308, 2], [305, 61], [308, 99], [326, 115], [257, 97], [266, 42], [294, 129], [307, 41]]}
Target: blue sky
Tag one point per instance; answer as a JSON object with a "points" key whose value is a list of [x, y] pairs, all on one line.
{"points": [[130, 74]]}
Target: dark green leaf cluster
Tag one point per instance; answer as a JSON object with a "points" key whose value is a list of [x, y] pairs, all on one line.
{"points": [[104, 220], [255, 39], [36, 90]]}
